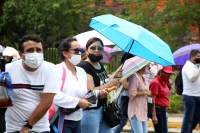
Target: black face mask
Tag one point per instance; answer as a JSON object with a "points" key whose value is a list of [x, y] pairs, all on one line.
{"points": [[94, 58], [197, 60]]}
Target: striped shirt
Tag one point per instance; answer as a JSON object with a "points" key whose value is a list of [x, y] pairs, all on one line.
{"points": [[28, 88]]}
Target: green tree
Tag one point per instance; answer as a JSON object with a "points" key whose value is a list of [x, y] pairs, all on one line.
{"points": [[170, 23], [53, 20]]}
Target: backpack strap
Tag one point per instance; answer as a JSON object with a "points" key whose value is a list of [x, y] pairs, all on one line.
{"points": [[59, 112]]}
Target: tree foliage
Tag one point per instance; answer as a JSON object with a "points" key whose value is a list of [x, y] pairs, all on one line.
{"points": [[56, 19], [169, 19], [53, 20]]}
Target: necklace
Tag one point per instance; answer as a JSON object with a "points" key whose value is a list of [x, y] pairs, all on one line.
{"points": [[96, 65]]}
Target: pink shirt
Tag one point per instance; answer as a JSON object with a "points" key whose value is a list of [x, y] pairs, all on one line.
{"points": [[137, 105]]}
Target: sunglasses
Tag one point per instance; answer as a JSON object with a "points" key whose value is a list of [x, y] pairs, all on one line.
{"points": [[96, 48], [77, 50]]}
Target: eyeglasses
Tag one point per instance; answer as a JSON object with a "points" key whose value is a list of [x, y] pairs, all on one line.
{"points": [[77, 50], [96, 48]]}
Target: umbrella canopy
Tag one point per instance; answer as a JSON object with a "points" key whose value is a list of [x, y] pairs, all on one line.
{"points": [[107, 57], [82, 38], [1, 49], [132, 65], [9, 51], [116, 51], [133, 38], [183, 54]]}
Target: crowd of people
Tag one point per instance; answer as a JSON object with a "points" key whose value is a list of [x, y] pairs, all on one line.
{"points": [[38, 83]]}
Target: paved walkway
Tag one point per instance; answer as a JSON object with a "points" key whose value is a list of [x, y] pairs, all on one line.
{"points": [[174, 125]]}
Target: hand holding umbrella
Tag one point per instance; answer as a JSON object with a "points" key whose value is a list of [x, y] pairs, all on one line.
{"points": [[118, 74]]}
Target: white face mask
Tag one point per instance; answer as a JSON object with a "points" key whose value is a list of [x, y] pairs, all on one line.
{"points": [[33, 60], [75, 59]]}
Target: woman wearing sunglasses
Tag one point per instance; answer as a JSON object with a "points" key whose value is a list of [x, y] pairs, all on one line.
{"points": [[97, 79], [75, 84]]}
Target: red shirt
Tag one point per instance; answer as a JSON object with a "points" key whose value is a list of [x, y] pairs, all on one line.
{"points": [[161, 90]]}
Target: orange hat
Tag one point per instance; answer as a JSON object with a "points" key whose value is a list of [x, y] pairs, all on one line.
{"points": [[168, 69]]}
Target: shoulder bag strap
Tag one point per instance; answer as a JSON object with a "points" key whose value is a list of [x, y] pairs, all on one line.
{"points": [[63, 77], [61, 113]]}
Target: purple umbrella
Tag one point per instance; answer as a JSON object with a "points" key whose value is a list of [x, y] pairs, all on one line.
{"points": [[183, 54]]}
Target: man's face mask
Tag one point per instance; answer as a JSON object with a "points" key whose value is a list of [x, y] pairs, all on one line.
{"points": [[197, 60], [33, 60]]}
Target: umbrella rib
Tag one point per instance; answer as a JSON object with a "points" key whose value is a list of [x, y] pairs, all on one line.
{"points": [[128, 52]]}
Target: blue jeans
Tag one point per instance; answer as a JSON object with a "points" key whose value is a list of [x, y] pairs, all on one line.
{"points": [[72, 126], [120, 126], [190, 110], [93, 122], [138, 126], [161, 127]]}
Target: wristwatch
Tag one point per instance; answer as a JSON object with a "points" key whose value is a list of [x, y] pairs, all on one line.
{"points": [[26, 124]]}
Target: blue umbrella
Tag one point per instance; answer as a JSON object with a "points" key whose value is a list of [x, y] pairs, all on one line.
{"points": [[133, 39]]}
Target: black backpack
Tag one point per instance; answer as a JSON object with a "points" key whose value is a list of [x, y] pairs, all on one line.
{"points": [[179, 83]]}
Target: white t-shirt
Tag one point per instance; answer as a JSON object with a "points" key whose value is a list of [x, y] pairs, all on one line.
{"points": [[73, 90], [28, 88], [190, 88]]}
